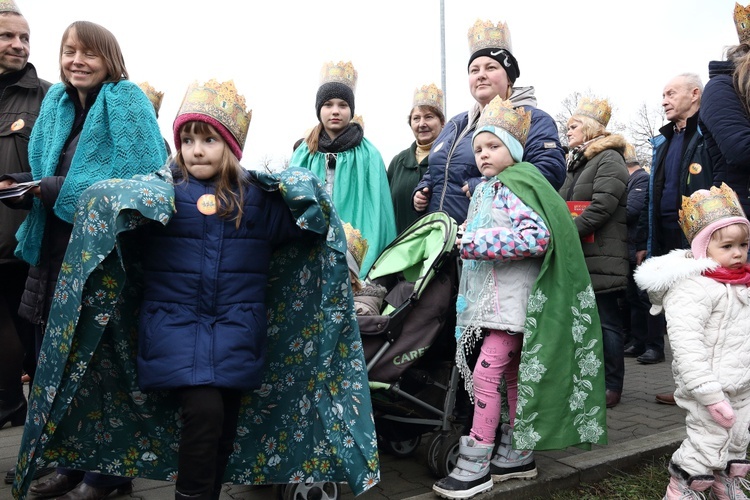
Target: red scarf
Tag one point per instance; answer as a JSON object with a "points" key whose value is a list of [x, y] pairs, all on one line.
{"points": [[739, 276]]}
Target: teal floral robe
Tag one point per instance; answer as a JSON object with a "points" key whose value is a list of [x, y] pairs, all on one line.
{"points": [[311, 420]]}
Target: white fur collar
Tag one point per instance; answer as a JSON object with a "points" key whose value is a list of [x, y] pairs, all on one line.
{"points": [[658, 274]]}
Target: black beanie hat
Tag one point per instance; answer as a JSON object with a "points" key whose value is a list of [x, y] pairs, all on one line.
{"points": [[504, 57], [333, 90]]}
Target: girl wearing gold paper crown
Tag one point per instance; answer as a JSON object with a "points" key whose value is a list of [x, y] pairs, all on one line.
{"points": [[355, 175], [704, 295], [176, 360], [526, 298], [208, 346]]}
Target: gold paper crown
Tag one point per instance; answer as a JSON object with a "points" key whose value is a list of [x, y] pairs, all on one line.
{"points": [[630, 155], [596, 109], [501, 114], [485, 35], [355, 243], [742, 22], [428, 95], [341, 72], [707, 206], [221, 102], [9, 6], [153, 95]]}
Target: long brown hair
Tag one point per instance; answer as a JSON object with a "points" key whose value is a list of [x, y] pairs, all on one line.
{"points": [[229, 183], [102, 42], [740, 56]]}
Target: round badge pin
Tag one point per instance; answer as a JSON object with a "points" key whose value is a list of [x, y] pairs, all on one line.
{"points": [[695, 168], [17, 125], [207, 204]]}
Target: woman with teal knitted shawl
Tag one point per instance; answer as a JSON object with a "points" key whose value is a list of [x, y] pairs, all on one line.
{"points": [[94, 126], [353, 170]]}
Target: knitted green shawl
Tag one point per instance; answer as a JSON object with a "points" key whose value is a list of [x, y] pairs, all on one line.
{"points": [[120, 138]]}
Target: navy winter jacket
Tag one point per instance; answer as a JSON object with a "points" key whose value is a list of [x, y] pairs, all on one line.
{"points": [[452, 163], [203, 317], [726, 128]]}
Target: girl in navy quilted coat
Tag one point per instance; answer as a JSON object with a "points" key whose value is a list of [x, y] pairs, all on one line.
{"points": [[704, 295], [203, 327]]}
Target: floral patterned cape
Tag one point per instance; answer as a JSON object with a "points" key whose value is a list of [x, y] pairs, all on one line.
{"points": [[561, 392], [311, 420]]}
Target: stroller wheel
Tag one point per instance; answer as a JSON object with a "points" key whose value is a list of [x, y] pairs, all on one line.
{"points": [[442, 453], [401, 448], [312, 491]]}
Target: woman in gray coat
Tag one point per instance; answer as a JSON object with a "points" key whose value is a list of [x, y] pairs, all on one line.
{"points": [[597, 176]]}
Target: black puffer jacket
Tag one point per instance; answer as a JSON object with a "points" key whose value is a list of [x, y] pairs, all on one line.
{"points": [[598, 174], [19, 108], [726, 131]]}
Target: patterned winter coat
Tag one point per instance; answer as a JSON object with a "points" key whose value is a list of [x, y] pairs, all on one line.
{"points": [[599, 175], [503, 235], [708, 324]]}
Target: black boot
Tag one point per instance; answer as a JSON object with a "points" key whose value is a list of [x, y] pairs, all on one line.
{"points": [[12, 408], [182, 496]]}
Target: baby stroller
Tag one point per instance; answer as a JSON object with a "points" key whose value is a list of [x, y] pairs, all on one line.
{"points": [[410, 347]]}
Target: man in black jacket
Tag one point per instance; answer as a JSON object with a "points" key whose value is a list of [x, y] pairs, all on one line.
{"points": [[21, 94], [681, 166]]}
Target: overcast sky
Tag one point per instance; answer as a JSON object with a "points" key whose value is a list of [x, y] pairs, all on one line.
{"points": [[625, 51]]}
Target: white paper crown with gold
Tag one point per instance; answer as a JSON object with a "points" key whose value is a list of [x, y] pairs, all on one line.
{"points": [[428, 95], [340, 72], [742, 22], [596, 109], [9, 6], [501, 114], [220, 101], [485, 35], [705, 207], [153, 95]]}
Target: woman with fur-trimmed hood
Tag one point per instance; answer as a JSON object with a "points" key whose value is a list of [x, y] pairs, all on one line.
{"points": [[597, 176]]}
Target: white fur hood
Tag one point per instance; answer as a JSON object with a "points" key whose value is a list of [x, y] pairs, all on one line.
{"points": [[658, 274]]}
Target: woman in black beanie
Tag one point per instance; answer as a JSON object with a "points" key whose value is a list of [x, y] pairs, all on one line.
{"points": [[355, 175]]}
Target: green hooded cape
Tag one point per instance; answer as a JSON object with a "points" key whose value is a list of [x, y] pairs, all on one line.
{"points": [[561, 392]]}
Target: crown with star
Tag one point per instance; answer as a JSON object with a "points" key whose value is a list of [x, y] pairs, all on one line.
{"points": [[487, 35], [220, 101], [704, 207], [596, 109], [428, 95], [501, 113], [340, 72]]}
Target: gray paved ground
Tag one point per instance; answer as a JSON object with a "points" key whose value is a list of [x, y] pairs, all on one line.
{"points": [[638, 428]]}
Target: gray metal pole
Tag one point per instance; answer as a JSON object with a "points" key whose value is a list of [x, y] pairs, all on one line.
{"points": [[442, 54]]}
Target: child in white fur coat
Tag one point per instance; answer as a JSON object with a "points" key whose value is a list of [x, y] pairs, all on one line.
{"points": [[704, 294]]}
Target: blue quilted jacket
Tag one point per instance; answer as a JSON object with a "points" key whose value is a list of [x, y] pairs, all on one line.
{"points": [[452, 163], [203, 318]]}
